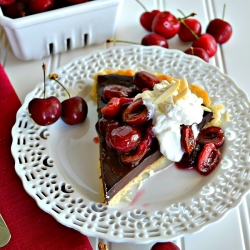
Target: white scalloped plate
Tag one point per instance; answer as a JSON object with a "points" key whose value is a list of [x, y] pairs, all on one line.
{"points": [[58, 163]]}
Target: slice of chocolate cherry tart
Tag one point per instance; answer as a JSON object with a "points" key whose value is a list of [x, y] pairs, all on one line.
{"points": [[145, 120]]}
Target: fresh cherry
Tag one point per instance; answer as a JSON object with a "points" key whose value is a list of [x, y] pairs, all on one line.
{"points": [[38, 6], [220, 29], [45, 111], [208, 159], [206, 42], [211, 134], [6, 2], [74, 109], [154, 39], [166, 24], [198, 52], [77, 1], [15, 10], [147, 17], [143, 79], [164, 246], [188, 28]]}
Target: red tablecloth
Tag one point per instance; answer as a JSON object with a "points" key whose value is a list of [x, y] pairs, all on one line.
{"points": [[30, 227]]}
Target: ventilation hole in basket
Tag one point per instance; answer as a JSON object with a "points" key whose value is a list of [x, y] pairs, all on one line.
{"points": [[85, 39], [68, 43], [51, 48]]}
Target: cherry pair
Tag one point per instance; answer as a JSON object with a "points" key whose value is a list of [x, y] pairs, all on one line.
{"points": [[45, 111]]}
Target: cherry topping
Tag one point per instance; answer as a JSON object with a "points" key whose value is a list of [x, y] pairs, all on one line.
{"points": [[189, 161], [136, 113], [101, 126], [112, 108], [143, 79], [164, 246], [124, 138], [208, 159], [187, 139], [108, 133], [111, 91], [133, 157], [211, 134]]}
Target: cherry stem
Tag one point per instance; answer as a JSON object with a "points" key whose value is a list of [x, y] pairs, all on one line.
{"points": [[141, 5], [184, 16], [54, 77], [44, 85], [120, 41], [224, 11]]}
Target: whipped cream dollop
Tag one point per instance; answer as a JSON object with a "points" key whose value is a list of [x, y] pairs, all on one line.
{"points": [[169, 114]]}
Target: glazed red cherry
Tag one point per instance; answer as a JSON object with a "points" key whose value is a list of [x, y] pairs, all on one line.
{"points": [[124, 138], [208, 159], [38, 6], [198, 52], [206, 42], [133, 157], [166, 24], [189, 161], [143, 79], [187, 139], [213, 135], [111, 91], [188, 28], [136, 113], [164, 246], [154, 39], [220, 29]]}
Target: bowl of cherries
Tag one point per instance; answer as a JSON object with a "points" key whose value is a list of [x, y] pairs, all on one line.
{"points": [[43, 22]]}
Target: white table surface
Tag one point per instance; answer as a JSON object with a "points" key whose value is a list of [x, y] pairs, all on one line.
{"points": [[232, 232]]}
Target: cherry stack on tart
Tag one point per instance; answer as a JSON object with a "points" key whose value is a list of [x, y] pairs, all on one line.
{"points": [[128, 146]]}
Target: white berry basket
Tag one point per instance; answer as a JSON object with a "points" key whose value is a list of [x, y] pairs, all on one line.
{"points": [[36, 36]]}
